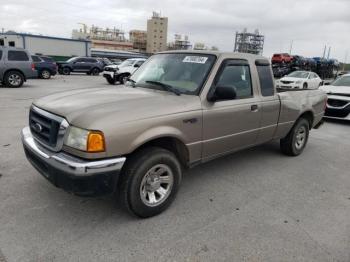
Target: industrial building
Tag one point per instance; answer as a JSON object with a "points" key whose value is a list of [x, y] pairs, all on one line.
{"points": [[157, 31], [252, 43], [139, 40], [56, 47], [115, 54], [180, 43], [103, 38]]}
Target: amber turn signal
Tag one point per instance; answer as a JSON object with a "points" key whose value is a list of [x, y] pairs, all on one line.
{"points": [[95, 142]]}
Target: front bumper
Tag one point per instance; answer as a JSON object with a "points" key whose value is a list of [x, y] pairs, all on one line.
{"points": [[289, 86], [338, 107], [109, 74], [76, 175]]}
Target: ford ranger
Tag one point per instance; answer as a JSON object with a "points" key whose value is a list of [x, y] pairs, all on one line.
{"points": [[179, 109]]}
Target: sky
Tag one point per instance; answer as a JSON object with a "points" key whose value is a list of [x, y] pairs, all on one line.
{"points": [[309, 24]]}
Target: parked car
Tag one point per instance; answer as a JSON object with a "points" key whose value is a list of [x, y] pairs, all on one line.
{"points": [[120, 73], [300, 80], [178, 110], [116, 61], [104, 61], [281, 58], [338, 102], [280, 71], [16, 66], [45, 69], [88, 65]]}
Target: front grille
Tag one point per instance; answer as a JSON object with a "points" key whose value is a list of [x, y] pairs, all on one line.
{"points": [[337, 113], [109, 69], [336, 102], [43, 128], [287, 82]]}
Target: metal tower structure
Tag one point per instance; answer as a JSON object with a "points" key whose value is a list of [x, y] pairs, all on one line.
{"points": [[252, 43]]}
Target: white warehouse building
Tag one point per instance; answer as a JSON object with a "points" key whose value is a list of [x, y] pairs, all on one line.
{"points": [[57, 48]]}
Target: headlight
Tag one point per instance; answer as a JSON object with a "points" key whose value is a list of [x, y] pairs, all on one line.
{"points": [[85, 140]]}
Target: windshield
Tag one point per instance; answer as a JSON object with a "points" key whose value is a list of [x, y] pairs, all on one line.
{"points": [[299, 74], [184, 72], [127, 63], [71, 59], [342, 81]]}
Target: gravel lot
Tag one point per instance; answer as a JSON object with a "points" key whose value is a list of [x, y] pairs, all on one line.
{"points": [[255, 205]]}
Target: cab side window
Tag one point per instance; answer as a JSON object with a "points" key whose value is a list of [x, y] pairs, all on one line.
{"points": [[236, 74], [265, 79]]}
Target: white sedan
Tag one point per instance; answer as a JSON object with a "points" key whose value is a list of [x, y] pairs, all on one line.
{"points": [[300, 80]]}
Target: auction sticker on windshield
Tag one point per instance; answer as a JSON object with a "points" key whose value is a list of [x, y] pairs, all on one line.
{"points": [[195, 59]]}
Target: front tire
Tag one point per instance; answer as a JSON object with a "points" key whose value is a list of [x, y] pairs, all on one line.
{"points": [[150, 181], [110, 80], [13, 79], [305, 86], [294, 143], [123, 78]]}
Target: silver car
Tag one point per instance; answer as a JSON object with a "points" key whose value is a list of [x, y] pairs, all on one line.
{"points": [[16, 66], [338, 103]]}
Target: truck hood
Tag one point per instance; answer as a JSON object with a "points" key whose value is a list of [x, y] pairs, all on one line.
{"points": [[336, 90], [85, 107]]}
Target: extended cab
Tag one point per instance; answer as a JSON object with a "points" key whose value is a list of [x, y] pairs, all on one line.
{"points": [[179, 109]]}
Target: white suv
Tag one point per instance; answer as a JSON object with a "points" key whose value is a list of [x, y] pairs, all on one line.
{"points": [[120, 73]]}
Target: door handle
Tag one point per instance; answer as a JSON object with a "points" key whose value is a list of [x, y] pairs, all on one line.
{"points": [[254, 108]]}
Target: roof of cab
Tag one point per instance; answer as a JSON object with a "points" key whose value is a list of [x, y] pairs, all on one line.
{"points": [[218, 54]]}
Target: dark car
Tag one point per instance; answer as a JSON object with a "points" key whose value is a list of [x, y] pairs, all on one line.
{"points": [[45, 66], [88, 65]]}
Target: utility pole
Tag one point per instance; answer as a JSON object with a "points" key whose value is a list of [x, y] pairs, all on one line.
{"points": [[291, 47], [329, 52], [346, 58], [324, 51]]}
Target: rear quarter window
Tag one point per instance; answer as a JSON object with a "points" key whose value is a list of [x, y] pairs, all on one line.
{"points": [[17, 56], [265, 79]]}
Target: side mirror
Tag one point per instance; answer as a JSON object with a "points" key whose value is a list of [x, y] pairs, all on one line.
{"points": [[222, 93], [326, 83], [136, 65]]}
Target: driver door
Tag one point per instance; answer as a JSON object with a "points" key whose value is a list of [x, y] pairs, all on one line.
{"points": [[230, 125]]}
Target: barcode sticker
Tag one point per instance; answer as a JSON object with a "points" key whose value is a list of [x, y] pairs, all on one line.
{"points": [[195, 59]]}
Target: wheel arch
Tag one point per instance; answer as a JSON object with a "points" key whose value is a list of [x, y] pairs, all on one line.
{"points": [[169, 142], [309, 116], [17, 70]]}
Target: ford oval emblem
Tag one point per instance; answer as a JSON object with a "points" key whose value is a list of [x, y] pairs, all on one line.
{"points": [[37, 127]]}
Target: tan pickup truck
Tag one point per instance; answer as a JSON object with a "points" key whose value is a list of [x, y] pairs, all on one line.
{"points": [[177, 110]]}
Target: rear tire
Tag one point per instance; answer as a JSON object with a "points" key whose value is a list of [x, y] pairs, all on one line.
{"points": [[149, 182], [294, 143], [45, 74], [13, 79], [66, 71], [95, 71]]}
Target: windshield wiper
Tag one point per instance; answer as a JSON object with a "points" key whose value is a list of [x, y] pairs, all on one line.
{"points": [[165, 87]]}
